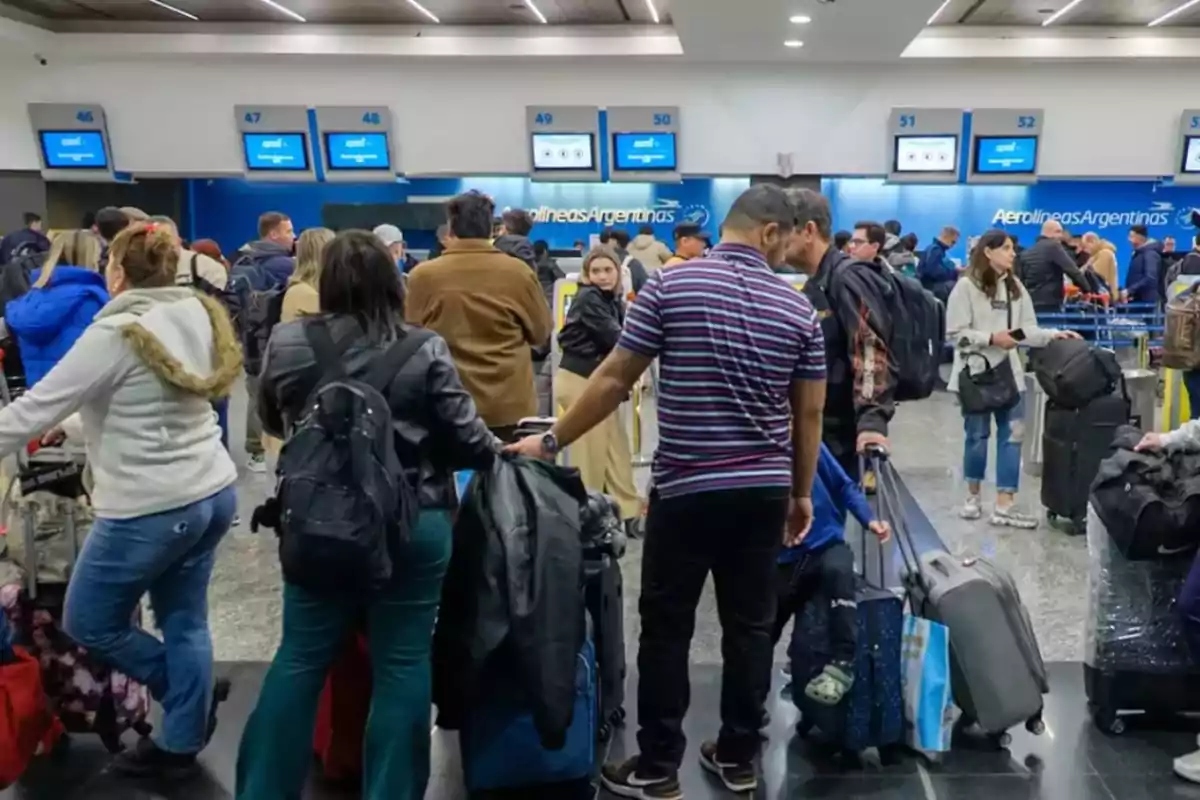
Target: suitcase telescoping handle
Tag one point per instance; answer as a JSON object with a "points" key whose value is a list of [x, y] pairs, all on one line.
{"points": [[868, 462], [891, 508]]}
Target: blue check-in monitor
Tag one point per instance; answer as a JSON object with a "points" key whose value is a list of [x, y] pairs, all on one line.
{"points": [[1191, 156], [358, 151], [74, 150], [283, 152], [926, 154], [644, 151], [1006, 155]]}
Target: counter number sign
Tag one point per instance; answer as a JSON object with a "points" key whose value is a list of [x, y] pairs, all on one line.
{"points": [[1026, 122], [371, 118], [1194, 123], [84, 116], [908, 120], [662, 120], [252, 117], [544, 118]]}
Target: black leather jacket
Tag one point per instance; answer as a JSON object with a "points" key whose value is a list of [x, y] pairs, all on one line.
{"points": [[591, 330], [1041, 269], [437, 427]]}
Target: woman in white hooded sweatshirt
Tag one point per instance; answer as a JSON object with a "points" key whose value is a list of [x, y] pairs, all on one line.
{"points": [[142, 378]]}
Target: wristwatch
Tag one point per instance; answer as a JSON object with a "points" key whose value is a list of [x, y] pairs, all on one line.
{"points": [[550, 443]]}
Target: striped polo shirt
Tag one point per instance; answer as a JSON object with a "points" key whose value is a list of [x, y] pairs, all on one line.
{"points": [[730, 336]]}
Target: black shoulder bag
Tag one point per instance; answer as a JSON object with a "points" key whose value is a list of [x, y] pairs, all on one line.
{"points": [[993, 389]]}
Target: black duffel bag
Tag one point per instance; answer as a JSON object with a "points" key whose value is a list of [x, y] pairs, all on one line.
{"points": [[1149, 501], [1073, 373]]}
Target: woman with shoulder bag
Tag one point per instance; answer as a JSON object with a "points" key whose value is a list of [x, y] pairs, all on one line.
{"points": [[987, 316]]}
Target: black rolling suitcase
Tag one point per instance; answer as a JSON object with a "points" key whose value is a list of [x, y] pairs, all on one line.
{"points": [[1074, 442], [1137, 657]]}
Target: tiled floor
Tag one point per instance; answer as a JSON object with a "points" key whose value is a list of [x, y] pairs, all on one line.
{"points": [[1071, 761]]}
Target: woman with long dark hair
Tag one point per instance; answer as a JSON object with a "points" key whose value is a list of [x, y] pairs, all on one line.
{"points": [[437, 431], [989, 314]]}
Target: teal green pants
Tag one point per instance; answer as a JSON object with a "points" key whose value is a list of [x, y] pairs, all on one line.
{"points": [[276, 749]]}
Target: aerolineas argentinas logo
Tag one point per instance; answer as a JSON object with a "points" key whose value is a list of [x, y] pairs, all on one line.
{"points": [[663, 212], [1158, 214]]}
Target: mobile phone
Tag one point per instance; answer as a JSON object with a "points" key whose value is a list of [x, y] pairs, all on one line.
{"points": [[1018, 334]]}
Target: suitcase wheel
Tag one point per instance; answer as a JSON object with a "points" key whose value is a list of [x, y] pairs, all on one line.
{"points": [[1035, 726], [618, 716], [1000, 741], [1108, 720], [604, 732]]}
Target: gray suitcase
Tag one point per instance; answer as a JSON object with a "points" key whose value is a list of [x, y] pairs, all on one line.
{"points": [[997, 673]]}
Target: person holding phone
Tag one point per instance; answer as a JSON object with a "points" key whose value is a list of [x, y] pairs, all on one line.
{"points": [[988, 315]]}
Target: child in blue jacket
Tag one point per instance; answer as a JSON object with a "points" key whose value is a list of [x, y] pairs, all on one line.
{"points": [[822, 565]]}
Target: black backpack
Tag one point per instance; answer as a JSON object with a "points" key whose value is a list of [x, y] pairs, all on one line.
{"points": [[343, 500], [918, 331], [1073, 373]]}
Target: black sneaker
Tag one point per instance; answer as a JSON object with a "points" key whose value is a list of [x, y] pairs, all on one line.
{"points": [[738, 778], [146, 760], [221, 688], [624, 780]]}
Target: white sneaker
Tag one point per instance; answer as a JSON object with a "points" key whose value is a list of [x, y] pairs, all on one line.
{"points": [[1010, 517], [973, 508], [257, 463], [1188, 767]]}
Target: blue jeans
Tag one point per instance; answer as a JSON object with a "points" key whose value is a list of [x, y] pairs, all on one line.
{"points": [[1191, 380], [170, 555], [222, 408], [1010, 431], [276, 749]]}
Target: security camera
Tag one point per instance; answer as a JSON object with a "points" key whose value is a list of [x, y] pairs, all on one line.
{"points": [[41, 59]]}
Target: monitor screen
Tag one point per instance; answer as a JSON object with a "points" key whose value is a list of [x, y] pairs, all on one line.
{"points": [[284, 152], [1191, 156], [644, 151], [74, 150], [358, 151], [564, 151], [1006, 155], [926, 154]]}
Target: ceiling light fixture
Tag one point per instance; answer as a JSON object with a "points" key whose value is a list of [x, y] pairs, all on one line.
{"points": [[1050, 20], [283, 10], [945, 4], [1172, 13], [799, 19], [541, 18], [432, 17], [793, 43], [653, 11], [175, 10]]}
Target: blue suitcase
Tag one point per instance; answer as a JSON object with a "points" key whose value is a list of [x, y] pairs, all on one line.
{"points": [[501, 748], [872, 714]]}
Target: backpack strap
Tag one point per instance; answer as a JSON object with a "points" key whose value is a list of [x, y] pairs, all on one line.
{"points": [[195, 273], [394, 358], [329, 353]]}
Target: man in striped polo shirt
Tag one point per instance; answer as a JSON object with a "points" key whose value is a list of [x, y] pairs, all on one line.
{"points": [[742, 385]]}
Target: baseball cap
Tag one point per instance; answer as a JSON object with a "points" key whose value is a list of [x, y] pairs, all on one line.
{"points": [[692, 230], [389, 234]]}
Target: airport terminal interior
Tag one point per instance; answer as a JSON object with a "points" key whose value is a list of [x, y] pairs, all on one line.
{"points": [[654, 116]]}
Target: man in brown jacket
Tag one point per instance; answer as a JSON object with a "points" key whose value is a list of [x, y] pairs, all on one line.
{"points": [[489, 308]]}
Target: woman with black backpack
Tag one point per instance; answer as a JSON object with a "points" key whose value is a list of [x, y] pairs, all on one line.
{"points": [[435, 430]]}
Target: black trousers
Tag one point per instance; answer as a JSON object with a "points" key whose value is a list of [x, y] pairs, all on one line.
{"points": [[828, 575], [735, 535]]}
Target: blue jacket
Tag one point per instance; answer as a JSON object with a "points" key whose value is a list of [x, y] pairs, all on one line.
{"points": [[834, 494], [935, 267], [1141, 281], [266, 265], [28, 238], [47, 321]]}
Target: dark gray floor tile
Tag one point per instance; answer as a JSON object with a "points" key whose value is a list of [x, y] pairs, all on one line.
{"points": [[1151, 787], [1014, 787]]}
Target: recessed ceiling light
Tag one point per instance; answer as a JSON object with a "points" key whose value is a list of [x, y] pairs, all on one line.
{"points": [[541, 18], [800, 19], [945, 4], [283, 10], [1053, 18], [793, 43], [653, 11], [424, 11], [175, 10], [1172, 13]]}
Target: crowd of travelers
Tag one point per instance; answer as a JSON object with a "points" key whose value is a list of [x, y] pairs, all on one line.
{"points": [[131, 341]]}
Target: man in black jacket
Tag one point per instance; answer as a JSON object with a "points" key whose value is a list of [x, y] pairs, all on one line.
{"points": [[850, 298], [1042, 267]]}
